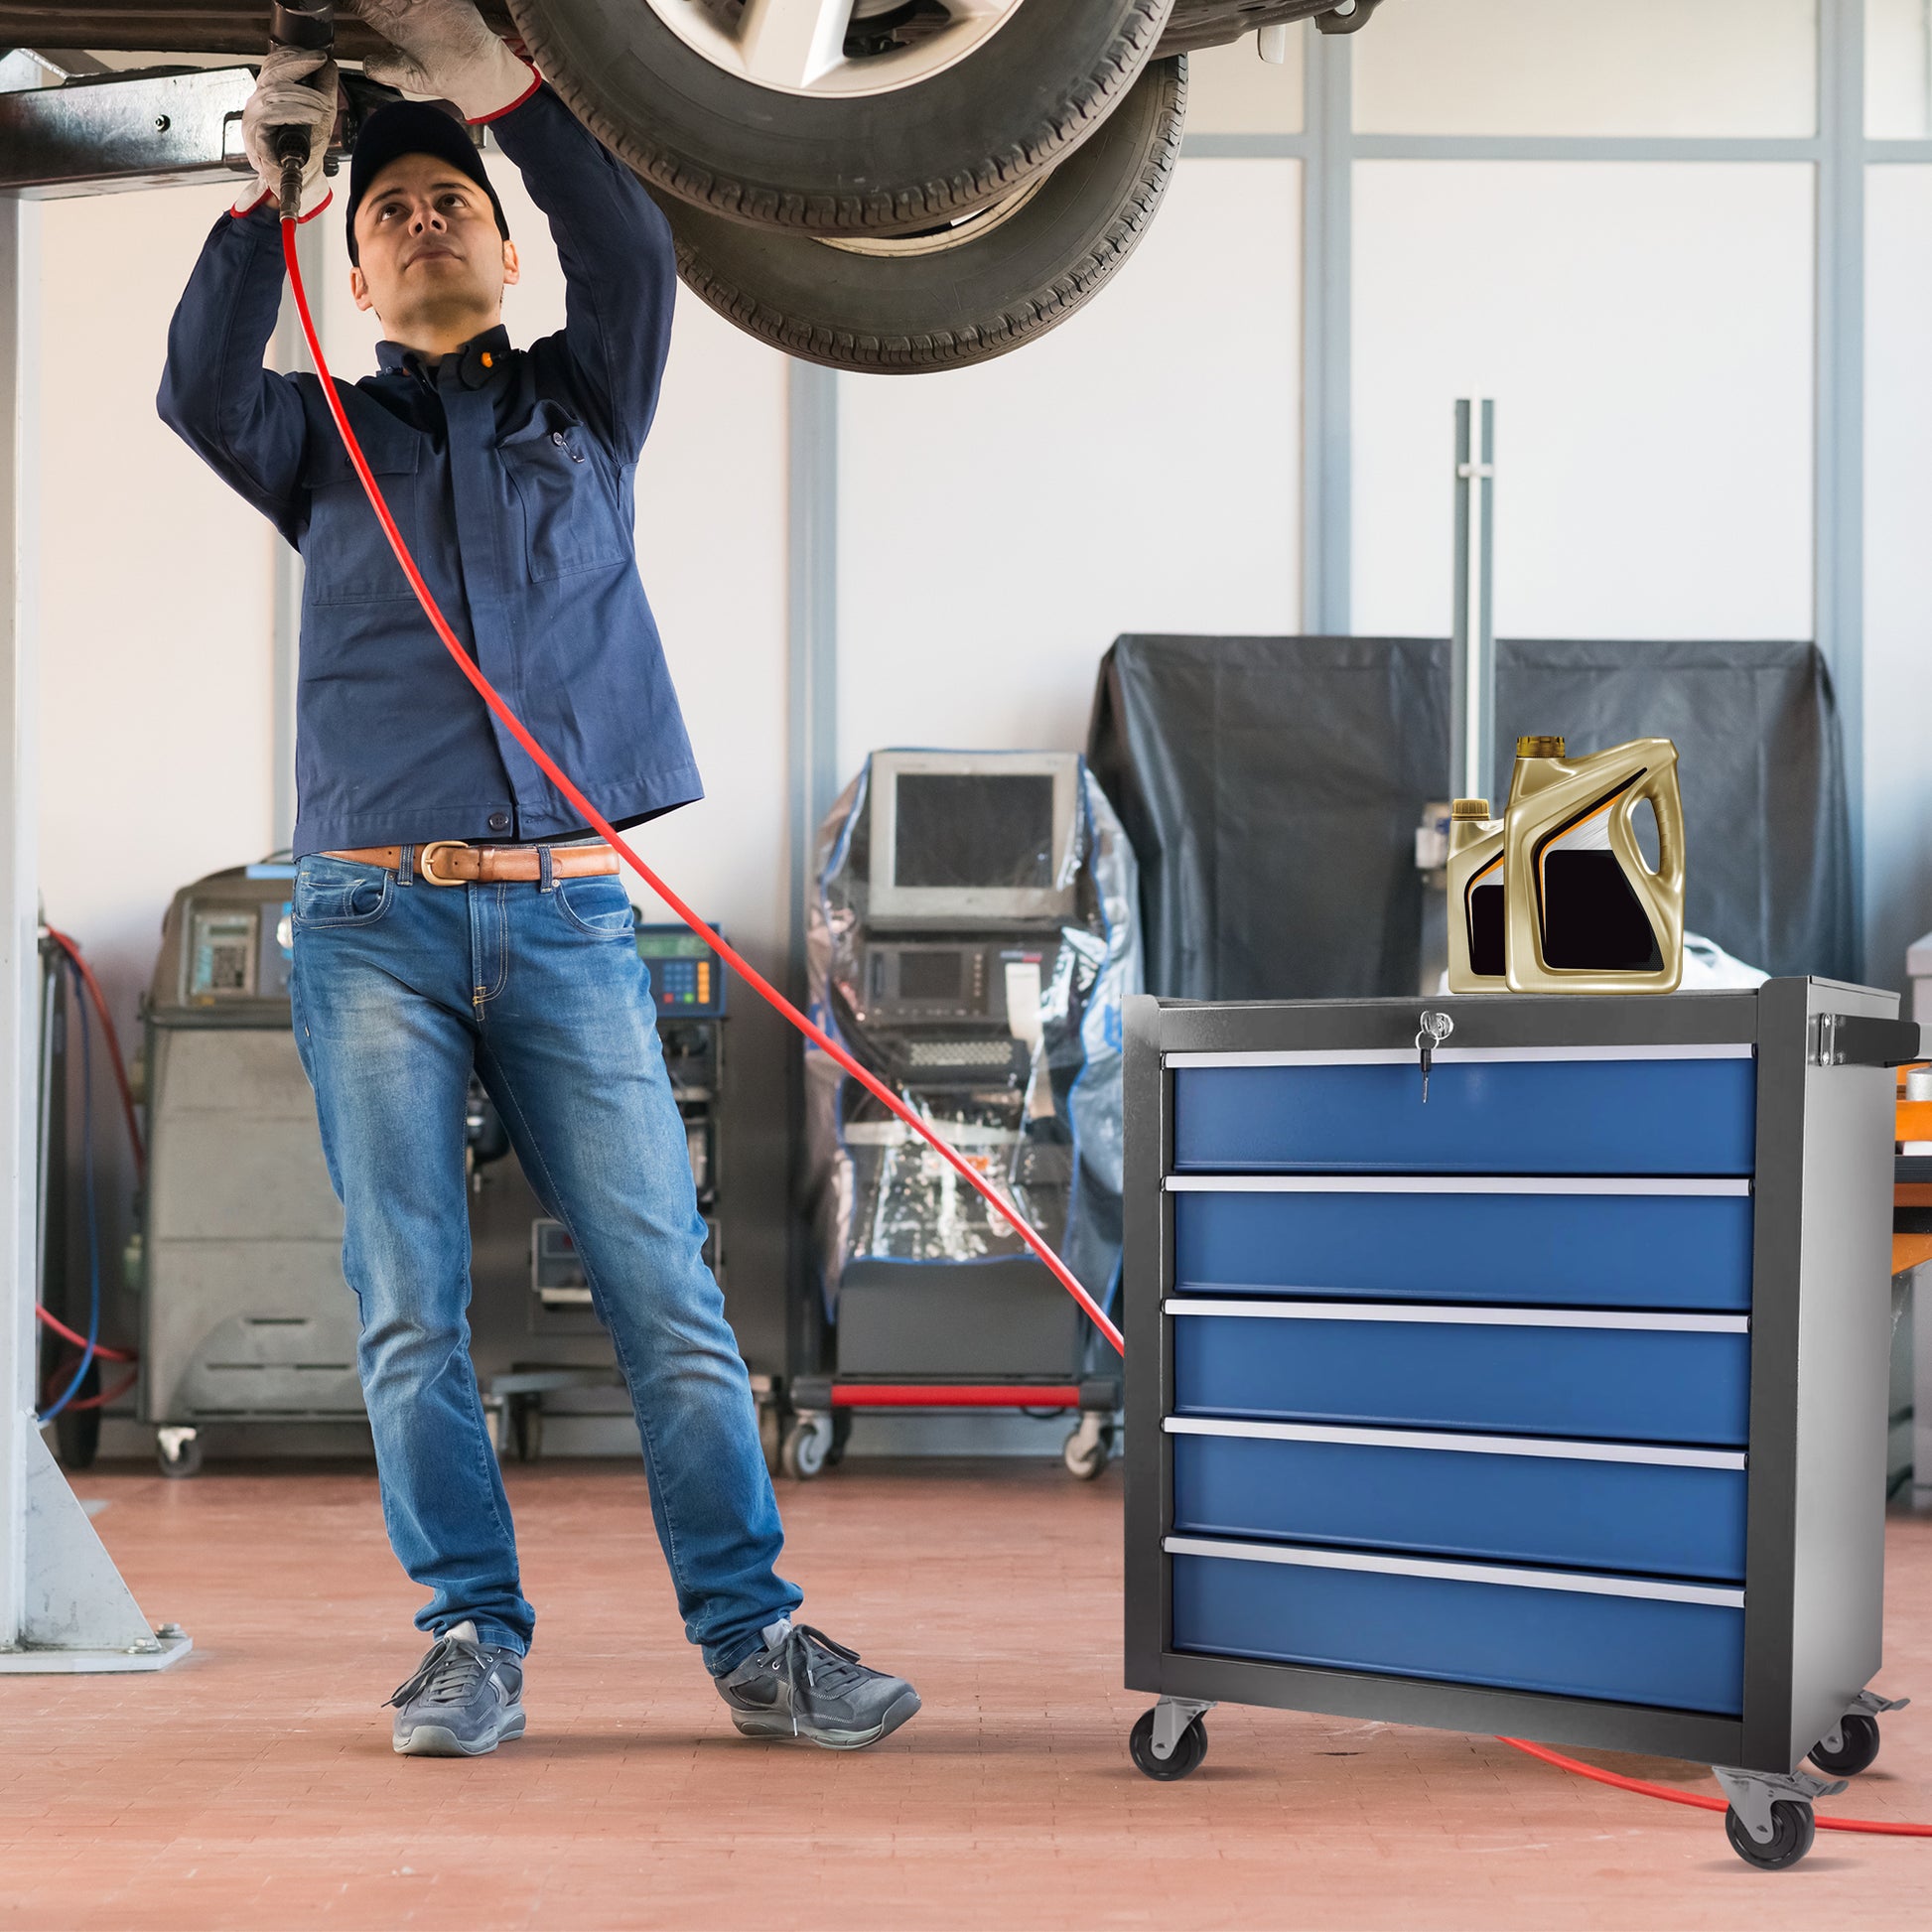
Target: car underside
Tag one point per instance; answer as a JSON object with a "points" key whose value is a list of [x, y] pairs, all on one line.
{"points": [[893, 186]]}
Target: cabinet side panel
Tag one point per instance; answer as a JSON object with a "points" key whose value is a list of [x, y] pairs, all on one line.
{"points": [[1776, 1251], [1142, 1265], [1843, 1383]]}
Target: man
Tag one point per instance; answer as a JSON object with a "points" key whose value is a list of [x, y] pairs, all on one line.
{"points": [[510, 474]]}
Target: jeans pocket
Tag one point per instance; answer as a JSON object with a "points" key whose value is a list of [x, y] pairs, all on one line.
{"points": [[598, 906], [337, 892]]}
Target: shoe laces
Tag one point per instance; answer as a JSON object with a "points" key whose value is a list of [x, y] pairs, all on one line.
{"points": [[807, 1654], [449, 1674]]}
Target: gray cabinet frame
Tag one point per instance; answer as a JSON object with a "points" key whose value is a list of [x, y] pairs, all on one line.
{"points": [[1819, 1340]]}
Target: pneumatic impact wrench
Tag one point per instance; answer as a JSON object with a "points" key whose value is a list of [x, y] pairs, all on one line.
{"points": [[311, 26]]}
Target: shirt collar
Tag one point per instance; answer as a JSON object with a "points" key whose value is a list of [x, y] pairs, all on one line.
{"points": [[478, 361]]}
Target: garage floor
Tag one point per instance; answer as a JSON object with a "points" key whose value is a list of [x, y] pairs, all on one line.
{"points": [[253, 1785]]}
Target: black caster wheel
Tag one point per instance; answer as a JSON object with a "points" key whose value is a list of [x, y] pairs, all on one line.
{"points": [[1857, 1747], [841, 1435], [180, 1460], [1188, 1750], [526, 1427], [1792, 1830]]}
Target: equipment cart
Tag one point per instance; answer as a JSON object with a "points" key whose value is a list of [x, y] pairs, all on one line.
{"points": [[1536, 1386]]}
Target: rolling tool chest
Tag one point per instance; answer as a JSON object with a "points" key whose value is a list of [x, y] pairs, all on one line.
{"points": [[1552, 1404]]}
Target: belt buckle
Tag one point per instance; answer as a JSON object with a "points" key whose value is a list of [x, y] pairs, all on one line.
{"points": [[426, 859]]}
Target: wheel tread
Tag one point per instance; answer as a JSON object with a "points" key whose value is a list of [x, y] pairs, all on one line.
{"points": [[985, 337], [771, 205]]}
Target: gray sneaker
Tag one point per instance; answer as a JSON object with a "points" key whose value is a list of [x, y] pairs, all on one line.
{"points": [[465, 1699], [803, 1685]]}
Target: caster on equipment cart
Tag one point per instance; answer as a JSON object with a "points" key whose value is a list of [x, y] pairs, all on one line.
{"points": [[1851, 1746], [1169, 1742], [1770, 1823], [808, 1444], [1089, 1444], [177, 1450]]}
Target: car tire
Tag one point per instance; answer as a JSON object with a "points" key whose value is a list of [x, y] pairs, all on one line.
{"points": [[963, 293], [933, 145]]}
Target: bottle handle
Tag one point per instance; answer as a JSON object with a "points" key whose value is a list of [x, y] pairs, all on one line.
{"points": [[1659, 785]]}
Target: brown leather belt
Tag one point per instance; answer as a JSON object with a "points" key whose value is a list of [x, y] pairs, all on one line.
{"points": [[449, 862]]}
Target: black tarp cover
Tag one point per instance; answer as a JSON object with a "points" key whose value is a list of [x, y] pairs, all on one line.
{"points": [[1271, 788]]}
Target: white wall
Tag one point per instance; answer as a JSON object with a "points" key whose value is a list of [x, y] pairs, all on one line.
{"points": [[155, 600], [1646, 330], [1898, 569], [1897, 69], [1136, 469], [1232, 90], [1584, 66]]}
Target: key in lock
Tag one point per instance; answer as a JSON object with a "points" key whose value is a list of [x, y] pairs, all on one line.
{"points": [[1435, 1029]]}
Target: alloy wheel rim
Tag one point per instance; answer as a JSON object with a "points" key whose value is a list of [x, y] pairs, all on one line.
{"points": [[834, 47]]}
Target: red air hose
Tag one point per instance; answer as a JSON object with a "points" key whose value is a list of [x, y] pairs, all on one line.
{"points": [[600, 824], [1879, 1826]]}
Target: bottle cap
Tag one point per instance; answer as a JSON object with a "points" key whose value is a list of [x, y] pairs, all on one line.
{"points": [[1539, 748], [1469, 808]]}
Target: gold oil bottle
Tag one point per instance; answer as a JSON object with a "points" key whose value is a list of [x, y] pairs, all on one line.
{"points": [[1584, 912], [1477, 914]]}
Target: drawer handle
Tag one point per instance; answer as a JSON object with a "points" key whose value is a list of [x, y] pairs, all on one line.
{"points": [[1462, 1055], [1477, 1183], [1441, 1315], [1580, 1582], [1549, 1449]]}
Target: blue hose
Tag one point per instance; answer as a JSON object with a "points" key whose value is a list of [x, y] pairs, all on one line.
{"points": [[88, 1168]]}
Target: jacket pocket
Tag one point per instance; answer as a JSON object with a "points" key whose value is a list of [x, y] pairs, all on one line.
{"points": [[346, 558], [568, 495]]}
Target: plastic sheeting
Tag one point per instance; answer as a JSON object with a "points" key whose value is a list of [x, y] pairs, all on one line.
{"points": [[1048, 1139], [1271, 787]]}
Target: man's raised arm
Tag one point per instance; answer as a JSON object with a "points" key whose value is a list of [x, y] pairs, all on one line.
{"points": [[244, 420], [214, 394], [620, 268]]}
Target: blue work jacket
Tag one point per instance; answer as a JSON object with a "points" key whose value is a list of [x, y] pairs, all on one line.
{"points": [[510, 474]]}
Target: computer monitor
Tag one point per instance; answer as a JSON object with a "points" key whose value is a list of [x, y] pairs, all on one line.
{"points": [[972, 838]]}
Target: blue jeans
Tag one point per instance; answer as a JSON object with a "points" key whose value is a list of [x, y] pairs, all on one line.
{"points": [[399, 989]]}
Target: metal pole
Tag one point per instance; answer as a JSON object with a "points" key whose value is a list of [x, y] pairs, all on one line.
{"points": [[1326, 222], [1472, 653], [62, 1605], [18, 892], [812, 752], [1838, 497]]}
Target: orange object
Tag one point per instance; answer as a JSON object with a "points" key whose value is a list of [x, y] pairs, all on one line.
{"points": [[1908, 1250]]}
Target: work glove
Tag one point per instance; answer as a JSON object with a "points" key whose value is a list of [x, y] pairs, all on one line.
{"points": [[441, 49], [285, 98]]}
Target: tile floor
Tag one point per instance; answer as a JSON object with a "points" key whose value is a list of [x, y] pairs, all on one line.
{"points": [[253, 1785]]}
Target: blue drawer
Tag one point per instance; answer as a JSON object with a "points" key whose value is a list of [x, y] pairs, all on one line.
{"points": [[1678, 1378], [1495, 1112], [1576, 1506], [1681, 1653], [1608, 1244]]}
